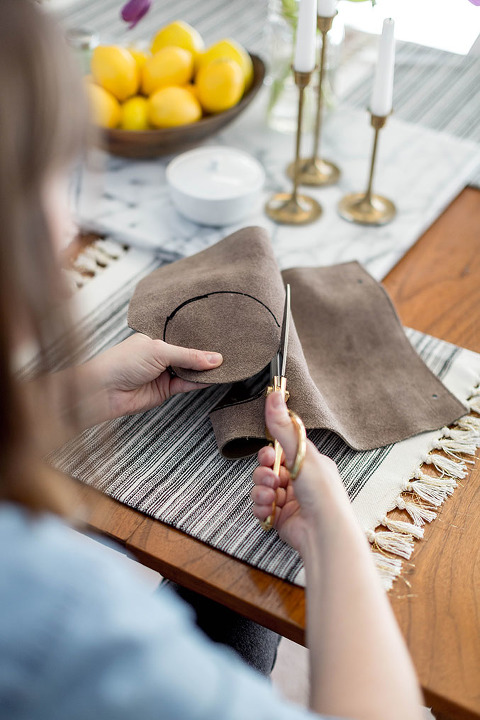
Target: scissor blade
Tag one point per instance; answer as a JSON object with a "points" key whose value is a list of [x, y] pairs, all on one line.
{"points": [[274, 367], [285, 330]]}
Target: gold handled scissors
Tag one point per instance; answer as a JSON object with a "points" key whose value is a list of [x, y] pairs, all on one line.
{"points": [[278, 383]]}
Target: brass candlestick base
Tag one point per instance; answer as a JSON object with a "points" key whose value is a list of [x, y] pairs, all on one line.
{"points": [[373, 210], [315, 171], [286, 209], [292, 208], [368, 208]]}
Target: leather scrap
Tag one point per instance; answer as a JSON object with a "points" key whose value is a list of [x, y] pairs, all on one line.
{"points": [[350, 367]]}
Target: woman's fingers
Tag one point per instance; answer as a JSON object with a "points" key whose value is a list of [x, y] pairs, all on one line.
{"points": [[187, 358], [261, 512], [280, 425], [264, 496], [266, 455], [265, 476]]}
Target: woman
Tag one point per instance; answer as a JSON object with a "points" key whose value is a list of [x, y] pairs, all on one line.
{"points": [[79, 637]]}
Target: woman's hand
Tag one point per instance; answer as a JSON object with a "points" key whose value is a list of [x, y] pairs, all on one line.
{"points": [[134, 374], [300, 504]]}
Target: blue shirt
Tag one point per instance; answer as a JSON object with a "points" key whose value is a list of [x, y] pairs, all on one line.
{"points": [[82, 638]]}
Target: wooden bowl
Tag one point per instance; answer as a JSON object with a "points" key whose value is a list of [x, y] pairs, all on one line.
{"points": [[169, 141]]}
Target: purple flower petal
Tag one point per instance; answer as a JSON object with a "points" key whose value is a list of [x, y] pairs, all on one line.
{"points": [[475, 2], [134, 10]]}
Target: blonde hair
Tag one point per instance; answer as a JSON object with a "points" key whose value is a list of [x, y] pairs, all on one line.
{"points": [[42, 129]]}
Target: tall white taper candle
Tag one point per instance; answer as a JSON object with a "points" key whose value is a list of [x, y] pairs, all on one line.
{"points": [[305, 47], [381, 103], [327, 8]]}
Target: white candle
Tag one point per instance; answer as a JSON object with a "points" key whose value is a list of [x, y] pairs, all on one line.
{"points": [[305, 47], [381, 103], [327, 8]]}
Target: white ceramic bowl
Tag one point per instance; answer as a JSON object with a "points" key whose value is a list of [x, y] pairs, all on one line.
{"points": [[215, 185]]}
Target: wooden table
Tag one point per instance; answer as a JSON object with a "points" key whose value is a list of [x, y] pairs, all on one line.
{"points": [[436, 289]]}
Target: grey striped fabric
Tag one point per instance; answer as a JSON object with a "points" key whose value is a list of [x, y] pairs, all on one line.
{"points": [[214, 19], [166, 464], [437, 89]]}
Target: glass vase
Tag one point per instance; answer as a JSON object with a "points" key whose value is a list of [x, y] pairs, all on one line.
{"points": [[283, 94]]}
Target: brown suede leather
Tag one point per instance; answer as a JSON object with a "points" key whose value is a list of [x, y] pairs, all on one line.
{"points": [[241, 319], [350, 367]]}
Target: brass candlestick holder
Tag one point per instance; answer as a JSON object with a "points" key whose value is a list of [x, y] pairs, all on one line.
{"points": [[315, 170], [368, 208], [293, 208]]}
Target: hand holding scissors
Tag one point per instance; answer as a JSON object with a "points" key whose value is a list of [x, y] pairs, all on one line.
{"points": [[278, 383]]}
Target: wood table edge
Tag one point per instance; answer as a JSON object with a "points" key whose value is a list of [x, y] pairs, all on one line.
{"points": [[264, 598]]}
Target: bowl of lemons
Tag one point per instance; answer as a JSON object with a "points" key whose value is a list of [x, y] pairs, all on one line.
{"points": [[171, 96]]}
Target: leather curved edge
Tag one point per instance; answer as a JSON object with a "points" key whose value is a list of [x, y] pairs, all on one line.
{"points": [[240, 428]]}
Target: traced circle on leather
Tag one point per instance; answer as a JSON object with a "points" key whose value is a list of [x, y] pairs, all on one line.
{"points": [[235, 324]]}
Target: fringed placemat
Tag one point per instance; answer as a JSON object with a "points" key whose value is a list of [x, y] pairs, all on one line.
{"points": [[165, 462]]}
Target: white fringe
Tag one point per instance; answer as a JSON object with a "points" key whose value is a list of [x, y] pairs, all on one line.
{"points": [[432, 490], [388, 568], [429, 493], [463, 434], [447, 466], [419, 512], [452, 447], [94, 258], [393, 542], [75, 279], [85, 263], [98, 255], [110, 248], [474, 403], [444, 480], [403, 527], [470, 423]]}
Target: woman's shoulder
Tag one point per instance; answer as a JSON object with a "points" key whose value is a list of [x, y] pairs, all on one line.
{"points": [[44, 559], [83, 637], [38, 549], [42, 553], [68, 610]]}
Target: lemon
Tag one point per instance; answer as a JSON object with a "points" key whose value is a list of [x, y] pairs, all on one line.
{"points": [[192, 89], [115, 69], [220, 85], [179, 34], [105, 108], [140, 57], [135, 114], [229, 49], [172, 106], [169, 66]]}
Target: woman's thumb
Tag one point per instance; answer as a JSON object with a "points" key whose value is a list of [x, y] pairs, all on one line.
{"points": [[280, 425]]}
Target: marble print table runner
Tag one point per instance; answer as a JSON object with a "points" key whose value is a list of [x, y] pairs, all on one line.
{"points": [[421, 170]]}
